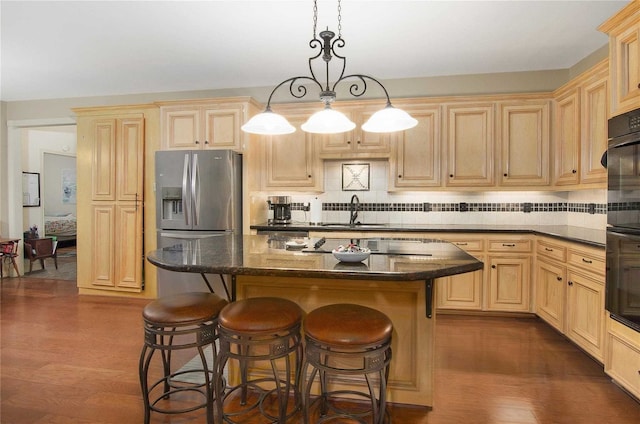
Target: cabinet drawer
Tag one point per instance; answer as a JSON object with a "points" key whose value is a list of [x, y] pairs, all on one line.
{"points": [[551, 250], [507, 245], [469, 245], [622, 361], [629, 247], [591, 260]]}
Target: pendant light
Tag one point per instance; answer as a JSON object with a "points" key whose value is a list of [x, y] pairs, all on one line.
{"points": [[328, 120]]}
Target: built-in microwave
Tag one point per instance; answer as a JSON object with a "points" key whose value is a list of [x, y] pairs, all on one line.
{"points": [[623, 219]]}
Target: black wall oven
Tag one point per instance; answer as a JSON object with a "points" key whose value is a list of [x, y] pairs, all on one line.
{"points": [[623, 219]]}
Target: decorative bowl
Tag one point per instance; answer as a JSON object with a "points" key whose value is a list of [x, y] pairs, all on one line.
{"points": [[351, 253]]}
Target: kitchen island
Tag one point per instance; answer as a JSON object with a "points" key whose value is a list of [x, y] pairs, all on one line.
{"points": [[396, 279]]}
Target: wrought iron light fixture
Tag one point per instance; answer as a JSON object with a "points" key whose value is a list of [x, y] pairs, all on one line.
{"points": [[328, 120]]}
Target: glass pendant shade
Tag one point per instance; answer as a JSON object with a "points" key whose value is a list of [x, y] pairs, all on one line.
{"points": [[389, 119], [268, 123], [328, 121]]}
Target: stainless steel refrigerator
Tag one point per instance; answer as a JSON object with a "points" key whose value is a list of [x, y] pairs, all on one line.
{"points": [[198, 195]]}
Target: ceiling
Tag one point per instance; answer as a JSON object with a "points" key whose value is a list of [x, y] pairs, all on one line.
{"points": [[61, 49]]}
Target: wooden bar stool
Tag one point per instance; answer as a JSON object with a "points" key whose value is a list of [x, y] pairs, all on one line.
{"points": [[347, 340], [183, 321], [254, 331]]}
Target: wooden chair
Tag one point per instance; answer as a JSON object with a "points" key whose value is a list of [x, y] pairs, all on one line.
{"points": [[38, 250], [8, 254]]}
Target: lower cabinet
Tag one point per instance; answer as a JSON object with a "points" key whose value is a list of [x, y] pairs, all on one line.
{"points": [[585, 313], [622, 358], [551, 288], [462, 292], [509, 283]]}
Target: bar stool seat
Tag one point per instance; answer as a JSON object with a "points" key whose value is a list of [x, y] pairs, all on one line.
{"points": [[253, 330], [183, 321], [346, 340]]}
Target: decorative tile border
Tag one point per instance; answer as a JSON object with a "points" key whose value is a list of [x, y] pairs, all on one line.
{"points": [[526, 207]]}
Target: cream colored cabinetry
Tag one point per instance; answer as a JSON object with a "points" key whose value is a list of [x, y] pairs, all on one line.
{"points": [[567, 147], [624, 53], [585, 299], [551, 282], [291, 161], [111, 150], [469, 140], [355, 143], [622, 358], [580, 136], [524, 143], [462, 291], [415, 161], [205, 124], [509, 282]]}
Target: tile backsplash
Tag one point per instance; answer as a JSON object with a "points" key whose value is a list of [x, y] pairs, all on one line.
{"points": [[584, 208]]}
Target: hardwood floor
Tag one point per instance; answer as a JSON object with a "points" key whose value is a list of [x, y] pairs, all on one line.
{"points": [[73, 359]]}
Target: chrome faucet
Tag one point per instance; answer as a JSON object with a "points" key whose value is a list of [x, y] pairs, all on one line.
{"points": [[353, 208]]}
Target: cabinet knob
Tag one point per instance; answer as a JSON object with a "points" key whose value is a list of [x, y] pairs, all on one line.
{"points": [[348, 141], [309, 176], [358, 141], [548, 250], [586, 261], [570, 283], [400, 176], [493, 266], [450, 175], [573, 171], [559, 278], [505, 174], [197, 142], [206, 142]]}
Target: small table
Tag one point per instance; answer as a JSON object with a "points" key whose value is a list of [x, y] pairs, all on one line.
{"points": [[11, 246]]}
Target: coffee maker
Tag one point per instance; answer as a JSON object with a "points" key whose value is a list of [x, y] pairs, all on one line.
{"points": [[281, 207]]}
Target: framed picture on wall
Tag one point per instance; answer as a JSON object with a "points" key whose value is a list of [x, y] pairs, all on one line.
{"points": [[30, 189]]}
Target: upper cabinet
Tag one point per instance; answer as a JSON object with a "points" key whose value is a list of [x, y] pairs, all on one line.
{"points": [[355, 143], [291, 161], [524, 143], [624, 54], [208, 124], [469, 141], [415, 159], [580, 136]]}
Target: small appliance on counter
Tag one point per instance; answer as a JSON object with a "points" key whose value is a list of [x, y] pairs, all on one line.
{"points": [[281, 206]]}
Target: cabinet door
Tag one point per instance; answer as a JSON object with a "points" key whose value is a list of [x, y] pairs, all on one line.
{"points": [[550, 293], [355, 143], [128, 256], [627, 69], [103, 161], [622, 360], [181, 127], [130, 154], [524, 144], [417, 152], [222, 128], [470, 146], [509, 284], [585, 313], [462, 291], [291, 161], [594, 130], [567, 139], [103, 246]]}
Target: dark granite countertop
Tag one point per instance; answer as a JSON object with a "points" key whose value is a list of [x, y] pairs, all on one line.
{"points": [[264, 255], [588, 236]]}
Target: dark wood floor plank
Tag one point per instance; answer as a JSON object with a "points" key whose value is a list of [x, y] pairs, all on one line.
{"points": [[66, 359]]}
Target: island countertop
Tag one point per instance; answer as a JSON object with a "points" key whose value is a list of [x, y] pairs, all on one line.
{"points": [[392, 258]]}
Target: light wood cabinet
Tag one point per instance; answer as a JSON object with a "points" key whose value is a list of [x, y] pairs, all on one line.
{"points": [[205, 124], [551, 292], [622, 358], [585, 312], [462, 291], [567, 138], [524, 143], [356, 143], [415, 161], [593, 133], [291, 161], [113, 258], [624, 54], [508, 286], [469, 135]]}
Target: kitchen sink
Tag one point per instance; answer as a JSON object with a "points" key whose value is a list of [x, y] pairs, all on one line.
{"points": [[356, 225]]}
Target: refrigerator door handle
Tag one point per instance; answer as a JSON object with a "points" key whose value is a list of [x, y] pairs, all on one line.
{"points": [[195, 189], [186, 201]]}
